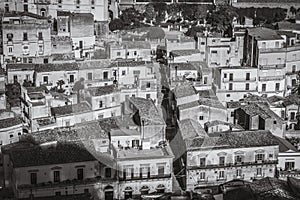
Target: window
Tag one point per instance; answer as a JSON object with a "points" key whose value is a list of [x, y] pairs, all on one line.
{"points": [[6, 8], [292, 115], [263, 45], [57, 193], [274, 122], [202, 175], [33, 178], [56, 177], [294, 82], [161, 170], [45, 79], [118, 53], [90, 76], [108, 172], [202, 162], [238, 173], [10, 49], [289, 166], [247, 76], [247, 86], [71, 78], [214, 52], [259, 171], [230, 86], [68, 123], [46, 60], [25, 37], [202, 43], [201, 117], [86, 190], [225, 75], [148, 85], [92, 2], [259, 157], [231, 77], [148, 96], [294, 68], [276, 44], [15, 78], [277, 86], [263, 87], [78, 1], [227, 95], [100, 104], [123, 73], [232, 114], [59, 1], [41, 49], [205, 80], [100, 116], [25, 7], [9, 36], [270, 155], [221, 174], [105, 75], [40, 36], [112, 99], [80, 174], [222, 160], [11, 135], [239, 158], [135, 53]]}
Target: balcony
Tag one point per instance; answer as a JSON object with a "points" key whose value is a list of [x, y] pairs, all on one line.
{"points": [[271, 78], [162, 176], [42, 2], [65, 183], [291, 173], [251, 79], [236, 164]]}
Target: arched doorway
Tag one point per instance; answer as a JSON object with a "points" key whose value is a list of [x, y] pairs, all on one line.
{"points": [[108, 193], [128, 193], [43, 12], [160, 188], [144, 190]]}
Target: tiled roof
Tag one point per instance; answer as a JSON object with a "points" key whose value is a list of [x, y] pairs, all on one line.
{"points": [[184, 90], [184, 66], [235, 139], [262, 33], [211, 103], [117, 122], [21, 14], [285, 25], [9, 122], [60, 154], [129, 63], [218, 122], [37, 89], [207, 94], [193, 104], [94, 64], [291, 99], [2, 71], [103, 90], [190, 128], [147, 111], [20, 66], [71, 109], [185, 52], [144, 33], [56, 67], [79, 132], [136, 44], [285, 145], [233, 104]]}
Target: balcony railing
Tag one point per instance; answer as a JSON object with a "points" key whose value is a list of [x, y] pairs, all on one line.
{"points": [[251, 79], [236, 164], [162, 176], [42, 2], [63, 183], [271, 78]]}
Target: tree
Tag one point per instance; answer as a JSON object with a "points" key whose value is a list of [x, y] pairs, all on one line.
{"points": [[150, 12], [116, 24], [131, 17], [173, 10], [60, 83], [293, 10]]}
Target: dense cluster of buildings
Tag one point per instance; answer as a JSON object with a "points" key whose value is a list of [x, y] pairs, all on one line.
{"points": [[144, 112]]}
